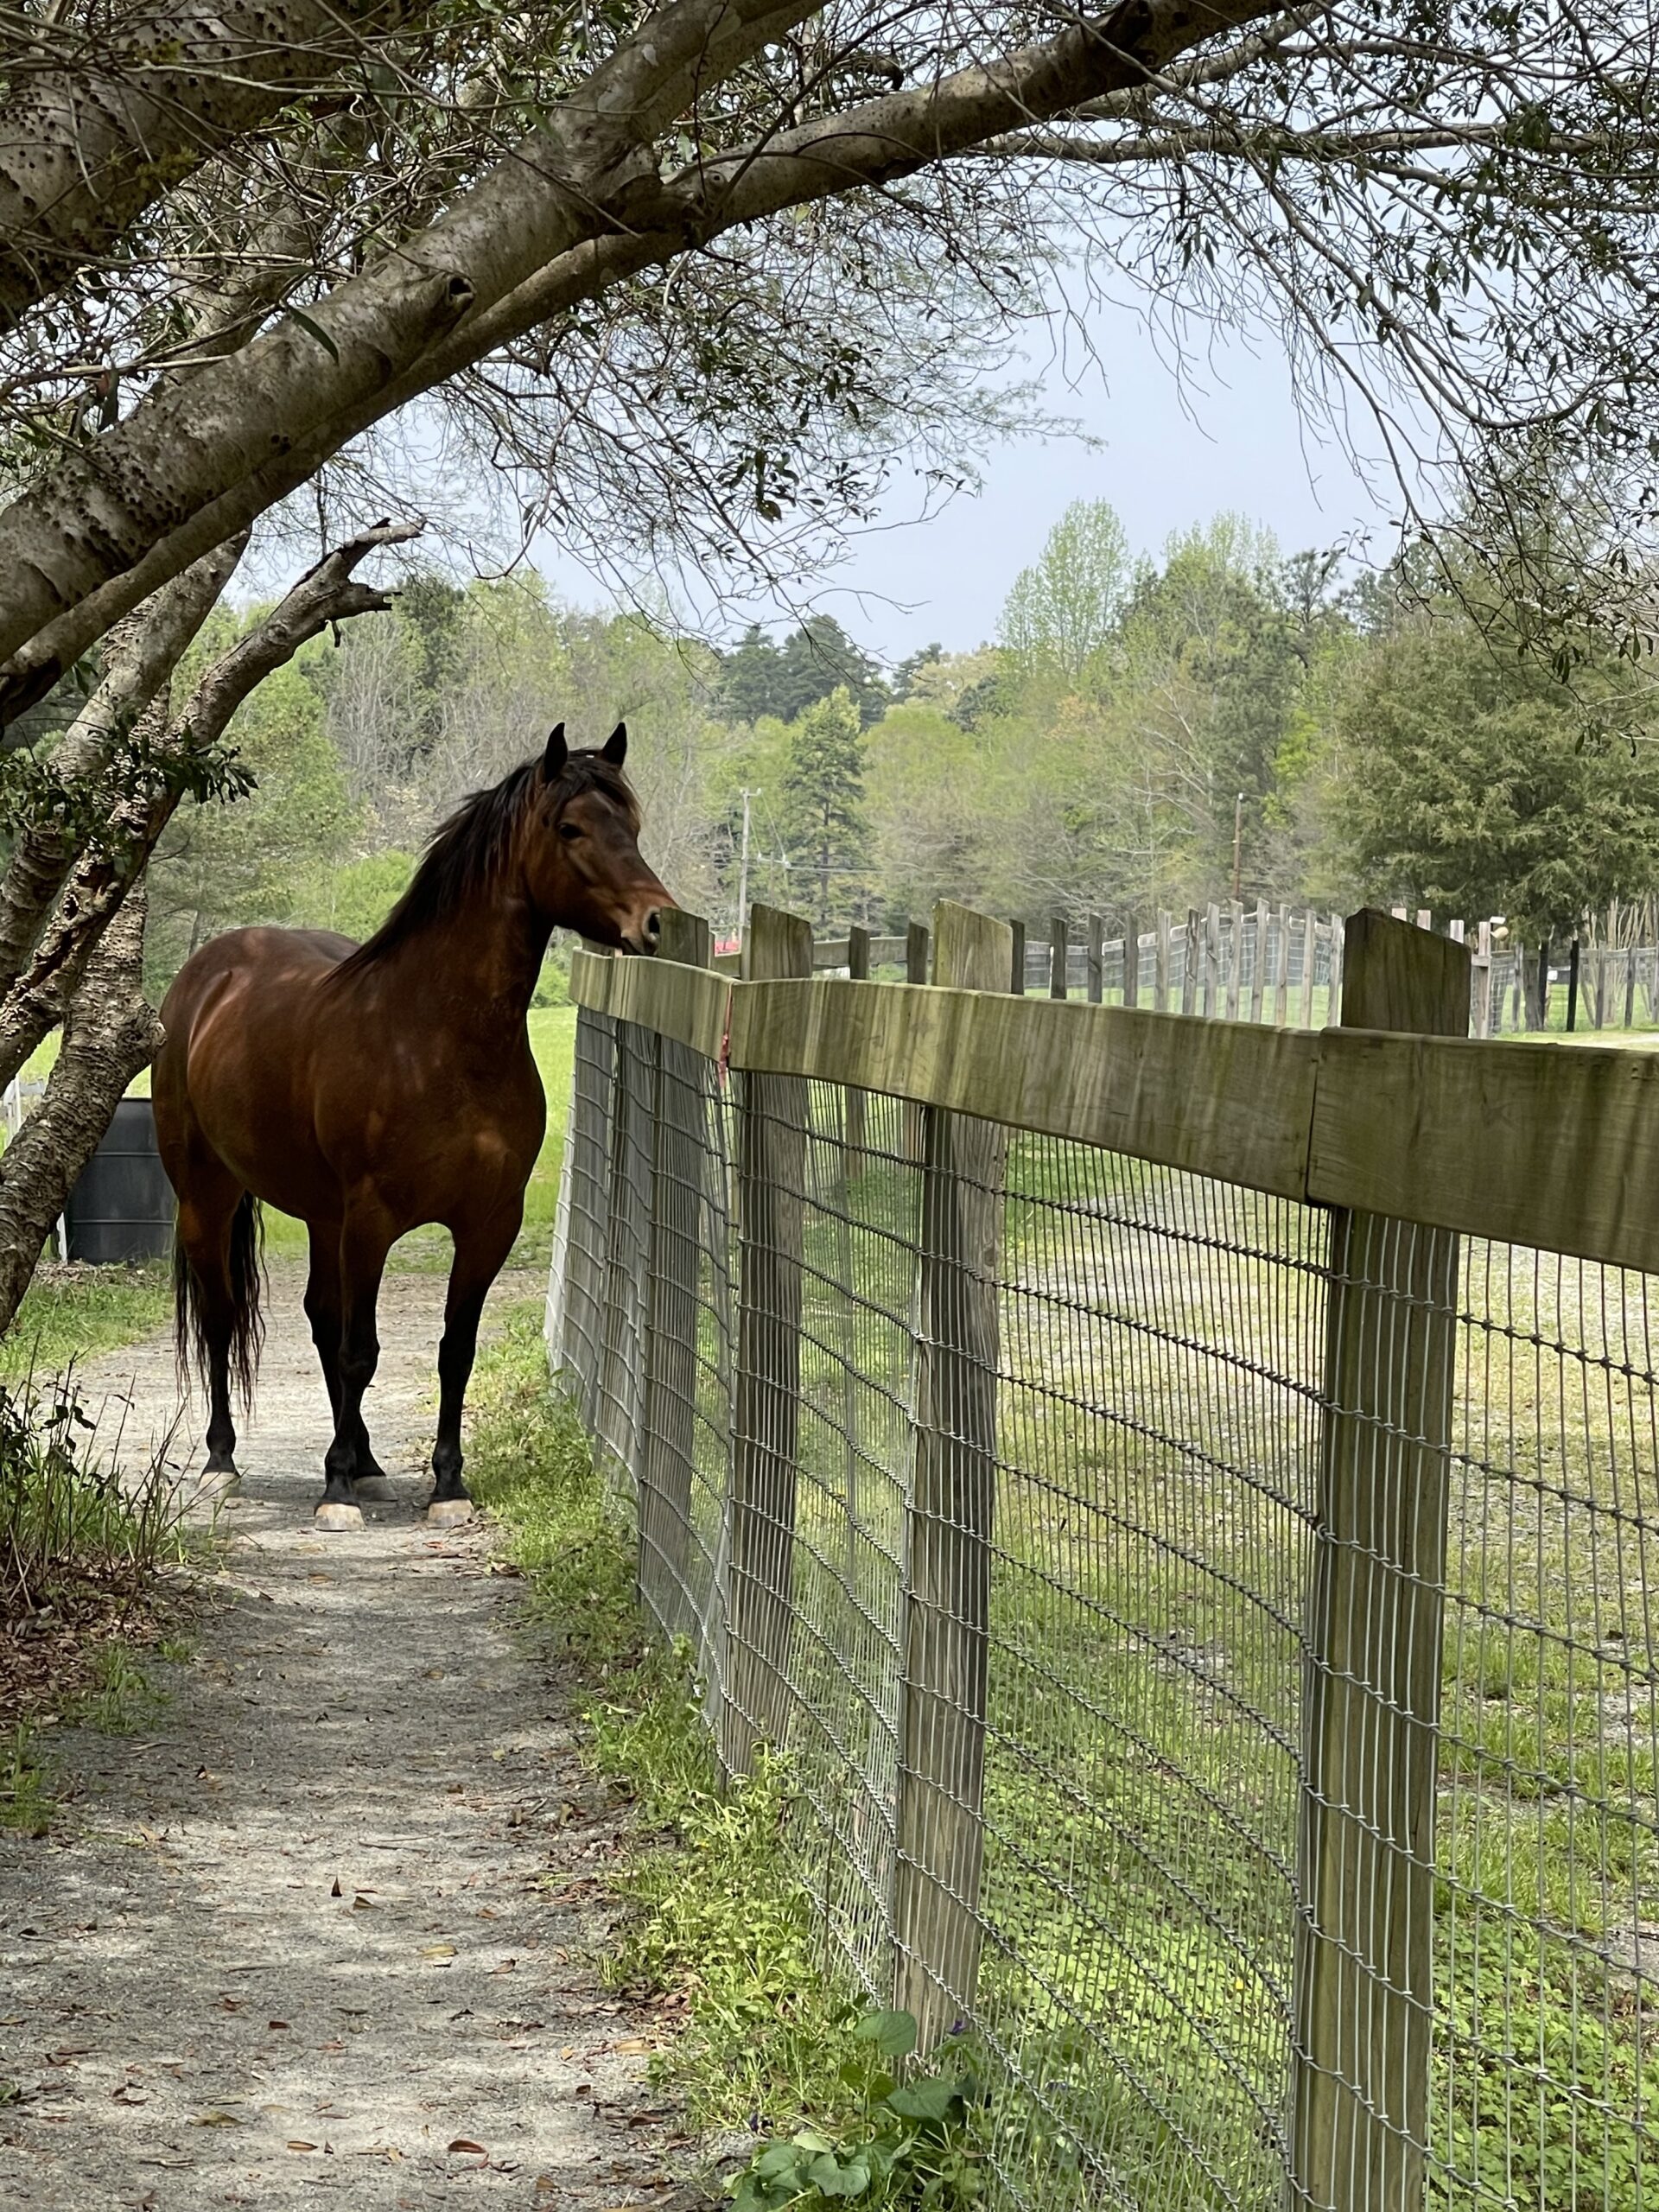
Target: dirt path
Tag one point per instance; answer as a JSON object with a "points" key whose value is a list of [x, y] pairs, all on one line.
{"points": [[328, 1920]]}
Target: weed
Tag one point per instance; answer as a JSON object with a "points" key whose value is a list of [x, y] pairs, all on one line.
{"points": [[121, 1695], [900, 2143], [25, 1801]]}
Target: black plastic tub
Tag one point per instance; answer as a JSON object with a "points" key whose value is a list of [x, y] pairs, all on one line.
{"points": [[121, 1208]]}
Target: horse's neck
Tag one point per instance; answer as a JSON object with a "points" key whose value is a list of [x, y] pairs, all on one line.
{"points": [[481, 961]]}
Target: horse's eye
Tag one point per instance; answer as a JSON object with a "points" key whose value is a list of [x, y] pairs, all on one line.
{"points": [[570, 832]]}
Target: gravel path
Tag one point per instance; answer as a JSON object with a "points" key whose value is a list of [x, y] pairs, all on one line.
{"points": [[325, 1929]]}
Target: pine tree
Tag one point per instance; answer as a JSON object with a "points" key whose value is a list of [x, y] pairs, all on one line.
{"points": [[823, 797]]}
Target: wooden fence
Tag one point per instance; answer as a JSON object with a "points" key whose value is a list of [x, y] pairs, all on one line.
{"points": [[1038, 1415], [1283, 965]]}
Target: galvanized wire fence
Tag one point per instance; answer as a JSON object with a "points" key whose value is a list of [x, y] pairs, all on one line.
{"points": [[1213, 1638]]}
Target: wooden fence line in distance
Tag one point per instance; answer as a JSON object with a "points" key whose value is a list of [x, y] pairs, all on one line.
{"points": [[1284, 966]]}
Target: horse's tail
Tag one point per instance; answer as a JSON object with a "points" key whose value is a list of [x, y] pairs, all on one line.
{"points": [[244, 1283]]}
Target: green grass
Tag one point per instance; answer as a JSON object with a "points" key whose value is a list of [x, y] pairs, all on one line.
{"points": [[26, 1800], [72, 1314], [720, 1920]]}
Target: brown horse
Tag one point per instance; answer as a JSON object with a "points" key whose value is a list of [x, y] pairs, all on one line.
{"points": [[368, 1089]]}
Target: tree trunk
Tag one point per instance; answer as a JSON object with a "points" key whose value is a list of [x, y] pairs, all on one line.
{"points": [[109, 1033], [143, 651]]}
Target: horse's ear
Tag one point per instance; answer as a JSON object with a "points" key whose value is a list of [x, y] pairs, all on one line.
{"points": [[615, 747], [556, 755]]}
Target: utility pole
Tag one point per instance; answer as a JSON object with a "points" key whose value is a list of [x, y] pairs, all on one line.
{"points": [[1238, 841], [743, 874]]}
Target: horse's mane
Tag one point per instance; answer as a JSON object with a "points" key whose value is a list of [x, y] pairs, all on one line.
{"points": [[471, 848]]}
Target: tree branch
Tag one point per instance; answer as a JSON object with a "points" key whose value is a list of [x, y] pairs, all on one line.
{"points": [[102, 877], [83, 150], [143, 652], [577, 211]]}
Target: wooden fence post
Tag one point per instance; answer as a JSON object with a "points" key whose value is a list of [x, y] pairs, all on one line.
{"points": [[1131, 960], [1058, 951], [1281, 969], [917, 946], [1363, 1996], [1481, 1003], [1310, 962], [1235, 958], [587, 1202], [947, 1588], [1259, 960], [771, 1182], [1016, 957], [1190, 963], [1093, 968], [1160, 963], [667, 1463], [858, 969]]}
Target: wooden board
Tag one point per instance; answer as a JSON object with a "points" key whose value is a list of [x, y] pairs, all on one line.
{"points": [[687, 1004], [1555, 1146], [1228, 1099]]}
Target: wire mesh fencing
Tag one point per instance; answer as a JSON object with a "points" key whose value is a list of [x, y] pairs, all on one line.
{"points": [[1212, 1636]]}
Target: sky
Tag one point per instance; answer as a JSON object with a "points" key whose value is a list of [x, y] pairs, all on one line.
{"points": [[1165, 455]]}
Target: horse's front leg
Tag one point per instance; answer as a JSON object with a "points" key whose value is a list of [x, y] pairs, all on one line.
{"points": [[480, 1252], [364, 1240]]}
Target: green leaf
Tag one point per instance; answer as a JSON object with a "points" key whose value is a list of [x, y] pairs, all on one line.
{"points": [[894, 2034], [931, 2100]]}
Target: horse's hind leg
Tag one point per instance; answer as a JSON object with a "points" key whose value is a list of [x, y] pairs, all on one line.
{"points": [[364, 1240], [323, 1310], [480, 1252], [207, 1225]]}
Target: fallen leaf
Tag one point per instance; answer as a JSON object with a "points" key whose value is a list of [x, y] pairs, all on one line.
{"points": [[633, 2044], [336, 1891], [275, 2024], [466, 2148], [437, 1950], [297, 2146], [360, 1903], [214, 2119]]}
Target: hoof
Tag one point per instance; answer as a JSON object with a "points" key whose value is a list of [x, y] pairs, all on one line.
{"points": [[216, 1482], [447, 1511], [377, 1488], [334, 1513]]}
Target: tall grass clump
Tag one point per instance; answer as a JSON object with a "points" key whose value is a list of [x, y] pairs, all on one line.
{"points": [[84, 1555], [71, 1530]]}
